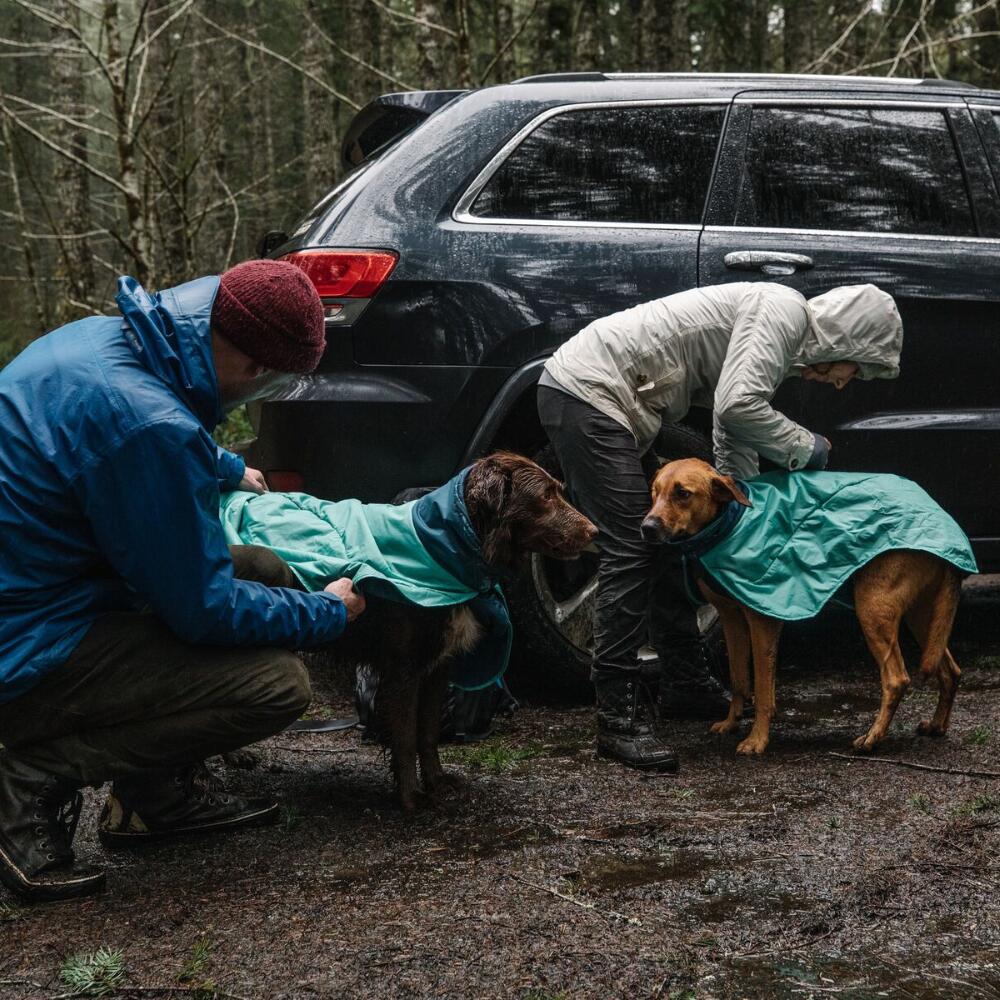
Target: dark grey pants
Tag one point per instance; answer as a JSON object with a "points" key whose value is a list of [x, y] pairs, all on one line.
{"points": [[640, 588], [132, 697]]}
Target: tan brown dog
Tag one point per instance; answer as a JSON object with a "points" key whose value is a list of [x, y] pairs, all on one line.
{"points": [[899, 585]]}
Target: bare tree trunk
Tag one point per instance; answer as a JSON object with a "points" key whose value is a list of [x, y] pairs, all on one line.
{"points": [[798, 42], [17, 204], [463, 46], [428, 39], [553, 48], [321, 149], [586, 44], [503, 29], [76, 265], [138, 238], [664, 25]]}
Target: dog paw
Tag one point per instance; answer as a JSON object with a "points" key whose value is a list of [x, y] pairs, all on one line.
{"points": [[723, 727], [752, 745], [865, 744], [927, 728]]}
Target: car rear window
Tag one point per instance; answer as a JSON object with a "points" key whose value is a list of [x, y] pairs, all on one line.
{"points": [[627, 165], [854, 169]]}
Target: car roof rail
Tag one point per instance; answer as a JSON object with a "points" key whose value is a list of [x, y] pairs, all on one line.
{"points": [[593, 77], [563, 78]]}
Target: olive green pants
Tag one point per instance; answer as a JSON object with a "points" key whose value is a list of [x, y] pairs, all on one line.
{"points": [[132, 697]]}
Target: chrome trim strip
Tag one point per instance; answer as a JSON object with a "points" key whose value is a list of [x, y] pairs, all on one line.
{"points": [[737, 77], [852, 233], [483, 220], [985, 107], [836, 102], [462, 210]]}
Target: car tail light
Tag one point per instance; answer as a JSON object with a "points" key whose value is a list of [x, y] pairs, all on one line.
{"points": [[345, 274], [285, 481]]}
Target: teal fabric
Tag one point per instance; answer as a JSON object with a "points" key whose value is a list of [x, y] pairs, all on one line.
{"points": [[376, 545], [807, 532], [424, 552]]}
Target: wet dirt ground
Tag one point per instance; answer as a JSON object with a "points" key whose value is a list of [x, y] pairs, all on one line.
{"points": [[555, 874]]}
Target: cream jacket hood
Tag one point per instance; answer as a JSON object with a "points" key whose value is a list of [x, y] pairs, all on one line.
{"points": [[728, 348]]}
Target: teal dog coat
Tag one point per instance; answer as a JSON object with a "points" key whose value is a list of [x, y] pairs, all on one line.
{"points": [[424, 552], [807, 532]]}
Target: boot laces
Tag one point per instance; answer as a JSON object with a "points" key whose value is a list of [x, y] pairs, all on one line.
{"points": [[59, 823], [201, 785]]}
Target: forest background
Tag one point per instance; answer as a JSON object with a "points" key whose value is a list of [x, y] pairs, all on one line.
{"points": [[161, 138]]}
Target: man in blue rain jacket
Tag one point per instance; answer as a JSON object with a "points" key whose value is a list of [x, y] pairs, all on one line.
{"points": [[130, 646]]}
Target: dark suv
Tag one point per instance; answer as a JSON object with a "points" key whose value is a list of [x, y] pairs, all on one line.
{"points": [[481, 229]]}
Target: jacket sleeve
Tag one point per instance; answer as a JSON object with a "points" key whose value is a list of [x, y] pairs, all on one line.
{"points": [[732, 458], [231, 469], [153, 506], [766, 339]]}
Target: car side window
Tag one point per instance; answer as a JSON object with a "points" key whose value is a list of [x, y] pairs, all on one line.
{"points": [[640, 164], [856, 169]]}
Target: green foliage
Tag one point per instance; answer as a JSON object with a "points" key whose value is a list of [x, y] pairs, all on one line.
{"points": [[921, 802], [191, 974], [234, 429], [289, 818], [979, 736], [980, 804], [93, 974], [8, 913], [196, 963], [492, 756]]}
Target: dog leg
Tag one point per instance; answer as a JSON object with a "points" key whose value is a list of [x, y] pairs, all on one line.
{"points": [[397, 705], [737, 633], [432, 695], [930, 621], [764, 635], [881, 629]]}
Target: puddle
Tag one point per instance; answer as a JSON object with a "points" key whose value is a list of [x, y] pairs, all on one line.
{"points": [[608, 872]]}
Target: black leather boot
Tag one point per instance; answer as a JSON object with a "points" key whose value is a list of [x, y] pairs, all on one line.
{"points": [[688, 687], [626, 717], [38, 817], [189, 801]]}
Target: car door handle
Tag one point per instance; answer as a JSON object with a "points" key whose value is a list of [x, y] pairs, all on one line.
{"points": [[768, 262]]}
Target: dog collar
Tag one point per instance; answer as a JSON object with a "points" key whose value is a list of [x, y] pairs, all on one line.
{"points": [[710, 536], [444, 528]]}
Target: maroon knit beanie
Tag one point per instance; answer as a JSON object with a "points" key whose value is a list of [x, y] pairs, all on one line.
{"points": [[272, 312]]}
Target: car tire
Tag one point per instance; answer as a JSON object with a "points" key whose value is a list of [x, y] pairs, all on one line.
{"points": [[552, 602]]}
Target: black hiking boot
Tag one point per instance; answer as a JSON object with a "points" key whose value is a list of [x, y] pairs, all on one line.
{"points": [[626, 717], [688, 686], [38, 817], [141, 810]]}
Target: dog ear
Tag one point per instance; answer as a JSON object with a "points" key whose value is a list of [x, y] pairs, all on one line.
{"points": [[491, 488], [724, 489]]}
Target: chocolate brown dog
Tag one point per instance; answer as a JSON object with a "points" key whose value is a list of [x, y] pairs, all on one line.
{"points": [[515, 508], [901, 585]]}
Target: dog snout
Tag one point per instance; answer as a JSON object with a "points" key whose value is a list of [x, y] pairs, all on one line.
{"points": [[590, 531], [652, 530]]}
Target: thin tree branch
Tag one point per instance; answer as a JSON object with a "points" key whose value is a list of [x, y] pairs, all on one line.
{"points": [[414, 20], [917, 767], [67, 154], [322, 84], [510, 41]]}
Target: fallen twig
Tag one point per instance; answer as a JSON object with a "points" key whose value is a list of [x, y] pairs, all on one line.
{"points": [[967, 772], [291, 749], [635, 921]]}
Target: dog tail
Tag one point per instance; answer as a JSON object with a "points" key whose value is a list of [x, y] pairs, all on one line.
{"points": [[941, 617]]}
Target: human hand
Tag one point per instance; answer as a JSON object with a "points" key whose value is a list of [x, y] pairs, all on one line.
{"points": [[253, 481], [344, 589]]}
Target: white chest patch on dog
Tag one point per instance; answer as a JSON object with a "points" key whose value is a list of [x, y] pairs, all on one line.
{"points": [[460, 634]]}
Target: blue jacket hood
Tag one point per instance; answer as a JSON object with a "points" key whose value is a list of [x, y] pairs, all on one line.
{"points": [[171, 334]]}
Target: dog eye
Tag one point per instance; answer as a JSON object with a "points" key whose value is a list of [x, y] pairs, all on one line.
{"points": [[681, 493]]}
